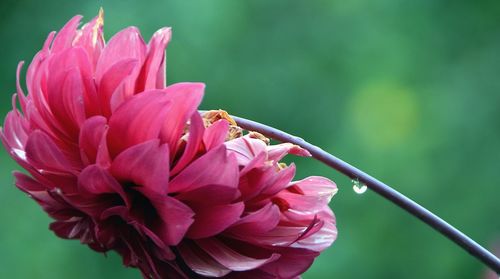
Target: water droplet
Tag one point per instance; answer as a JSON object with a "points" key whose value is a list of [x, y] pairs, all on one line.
{"points": [[29, 196], [58, 191], [358, 187]]}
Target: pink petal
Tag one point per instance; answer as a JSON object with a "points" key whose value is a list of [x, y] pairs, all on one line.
{"points": [[292, 263], [214, 220], [149, 77], [320, 240], [215, 134], [213, 168], [230, 258], [277, 152], [175, 217], [187, 98], [194, 141], [64, 37], [91, 38], [145, 164], [260, 221], [208, 195], [127, 43], [95, 180], [245, 149], [317, 186], [45, 156], [92, 138], [112, 79], [153, 114], [200, 262]]}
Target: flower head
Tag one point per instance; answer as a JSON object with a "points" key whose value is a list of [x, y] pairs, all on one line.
{"points": [[122, 162]]}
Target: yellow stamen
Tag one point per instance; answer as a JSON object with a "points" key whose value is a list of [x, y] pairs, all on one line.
{"points": [[98, 24]]}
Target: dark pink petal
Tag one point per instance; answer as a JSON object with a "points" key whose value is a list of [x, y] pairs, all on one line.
{"points": [[292, 263], [127, 43], [193, 145], [149, 77], [28, 184], [91, 38], [211, 221], [115, 76], [258, 222], [33, 68], [213, 168], [281, 180], [200, 262], [145, 164], [138, 120], [231, 258], [153, 114], [20, 92], [186, 97], [95, 180], [215, 134], [175, 217], [277, 152], [91, 134], [45, 156], [209, 195], [319, 240], [65, 36], [245, 149], [317, 186], [14, 135]]}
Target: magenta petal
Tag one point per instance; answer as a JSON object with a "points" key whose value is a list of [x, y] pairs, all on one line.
{"points": [[277, 152], [292, 263], [215, 134], [111, 79], [64, 37], [320, 240], [194, 141], [91, 134], [14, 135], [175, 216], [137, 120], [230, 258], [260, 221], [145, 164], [28, 184], [209, 195], [127, 43], [187, 97], [213, 168], [318, 186], [95, 180], [44, 155], [211, 221], [200, 262], [149, 77], [153, 114], [245, 149]]}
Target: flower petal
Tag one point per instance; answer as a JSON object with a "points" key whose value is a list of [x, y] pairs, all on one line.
{"points": [[213, 168], [215, 134], [231, 258], [193, 145], [149, 77], [145, 164], [211, 221]]}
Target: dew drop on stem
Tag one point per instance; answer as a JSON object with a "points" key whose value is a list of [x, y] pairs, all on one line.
{"points": [[358, 187]]}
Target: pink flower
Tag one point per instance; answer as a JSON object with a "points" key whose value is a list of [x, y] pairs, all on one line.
{"points": [[123, 163]]}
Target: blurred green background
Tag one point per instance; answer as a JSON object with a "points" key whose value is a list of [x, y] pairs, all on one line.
{"points": [[408, 91]]}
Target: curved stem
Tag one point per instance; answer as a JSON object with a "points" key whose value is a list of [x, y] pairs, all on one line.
{"points": [[382, 189]]}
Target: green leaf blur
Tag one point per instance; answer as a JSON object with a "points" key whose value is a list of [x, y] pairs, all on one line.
{"points": [[406, 90]]}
